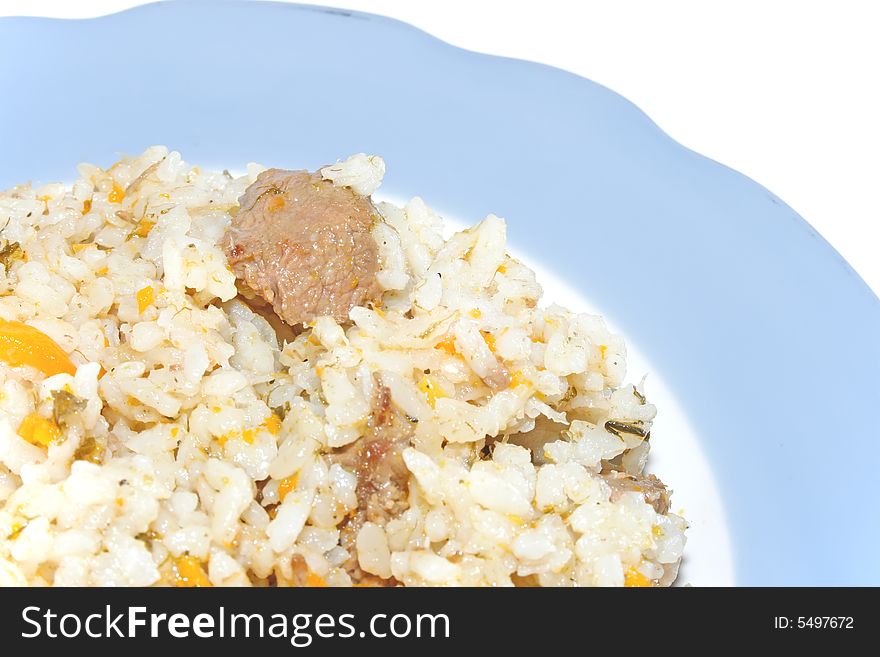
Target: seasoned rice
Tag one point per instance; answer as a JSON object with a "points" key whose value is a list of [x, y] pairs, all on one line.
{"points": [[185, 442]]}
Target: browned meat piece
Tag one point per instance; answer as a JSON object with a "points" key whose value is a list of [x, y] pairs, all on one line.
{"points": [[377, 459], [304, 246], [382, 476], [651, 488]]}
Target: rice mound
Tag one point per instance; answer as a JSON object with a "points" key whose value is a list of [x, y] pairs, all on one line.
{"points": [[189, 446]]}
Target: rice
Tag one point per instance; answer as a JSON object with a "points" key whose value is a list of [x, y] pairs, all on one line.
{"points": [[185, 443]]}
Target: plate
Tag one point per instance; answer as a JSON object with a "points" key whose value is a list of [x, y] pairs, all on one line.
{"points": [[761, 342]]}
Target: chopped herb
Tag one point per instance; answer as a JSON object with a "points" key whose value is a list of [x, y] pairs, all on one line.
{"points": [[10, 252], [618, 427], [66, 407], [89, 450]]}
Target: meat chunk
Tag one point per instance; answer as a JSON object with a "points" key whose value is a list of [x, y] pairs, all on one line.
{"points": [[651, 488], [382, 476], [377, 460], [304, 246]]}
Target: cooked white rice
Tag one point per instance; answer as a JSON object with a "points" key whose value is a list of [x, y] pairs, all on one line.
{"points": [[188, 446]]}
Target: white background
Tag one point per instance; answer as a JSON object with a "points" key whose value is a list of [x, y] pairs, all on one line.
{"points": [[785, 91]]}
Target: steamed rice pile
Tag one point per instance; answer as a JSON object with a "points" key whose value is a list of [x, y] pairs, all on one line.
{"points": [[187, 443]]}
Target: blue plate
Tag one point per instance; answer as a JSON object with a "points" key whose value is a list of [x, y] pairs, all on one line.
{"points": [[767, 337]]}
